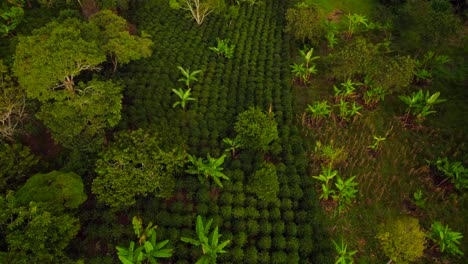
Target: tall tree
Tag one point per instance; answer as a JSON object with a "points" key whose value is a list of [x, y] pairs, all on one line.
{"points": [[115, 39], [33, 233], [79, 121], [47, 62], [199, 9], [136, 164]]}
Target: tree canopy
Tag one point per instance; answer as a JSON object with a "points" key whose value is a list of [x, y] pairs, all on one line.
{"points": [[136, 164], [256, 129]]}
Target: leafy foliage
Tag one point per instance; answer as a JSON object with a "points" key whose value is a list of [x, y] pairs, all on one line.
{"points": [[61, 190], [79, 121], [115, 39], [344, 256], [34, 234], [223, 48], [264, 182], [319, 110], [345, 191], [209, 242], [255, 129], [136, 163], [12, 104], [455, 171], [184, 98], [445, 238], [11, 14], [326, 176], [421, 104], [376, 145], [305, 23], [402, 240], [188, 76], [199, 9], [16, 163], [209, 168], [148, 250]]}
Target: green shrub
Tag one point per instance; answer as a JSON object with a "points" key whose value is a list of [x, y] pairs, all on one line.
{"points": [[275, 214], [402, 240], [265, 227], [202, 209], [292, 245], [16, 163], [278, 228], [291, 229], [279, 257], [306, 246], [264, 256], [251, 255], [279, 242], [264, 242], [252, 227], [226, 198], [240, 239], [237, 255], [252, 213], [238, 212], [264, 214], [239, 225], [226, 211], [239, 199]]}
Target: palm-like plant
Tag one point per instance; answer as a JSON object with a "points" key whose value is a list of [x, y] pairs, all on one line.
{"points": [[376, 145], [223, 48], [184, 97], [354, 20], [188, 76], [148, 250], [210, 168], [319, 110], [374, 95], [329, 153], [445, 238], [347, 90], [344, 256], [345, 192], [348, 111], [305, 70], [455, 171], [233, 145], [210, 244], [327, 175], [421, 104]]}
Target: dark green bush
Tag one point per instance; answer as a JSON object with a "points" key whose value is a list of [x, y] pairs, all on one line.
{"points": [[275, 214], [288, 216], [265, 227], [264, 242], [292, 245], [291, 229], [251, 255], [278, 228], [264, 256], [264, 214], [279, 242], [252, 227], [279, 257], [226, 211], [237, 255], [202, 209], [240, 239], [238, 212]]}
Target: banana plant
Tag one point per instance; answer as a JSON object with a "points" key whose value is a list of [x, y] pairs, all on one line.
{"points": [[209, 242], [326, 176], [348, 111], [427, 64], [445, 238], [223, 48], [184, 97], [418, 199], [354, 21], [148, 250], [329, 153], [376, 145], [320, 109], [233, 145], [344, 256], [420, 104], [374, 95], [455, 171], [188, 76], [345, 192], [332, 31], [308, 56], [347, 91], [300, 71], [210, 168]]}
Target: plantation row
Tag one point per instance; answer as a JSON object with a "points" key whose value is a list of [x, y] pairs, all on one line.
{"points": [[284, 230]]}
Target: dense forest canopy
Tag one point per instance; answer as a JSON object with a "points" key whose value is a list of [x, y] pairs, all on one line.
{"points": [[233, 131]]}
